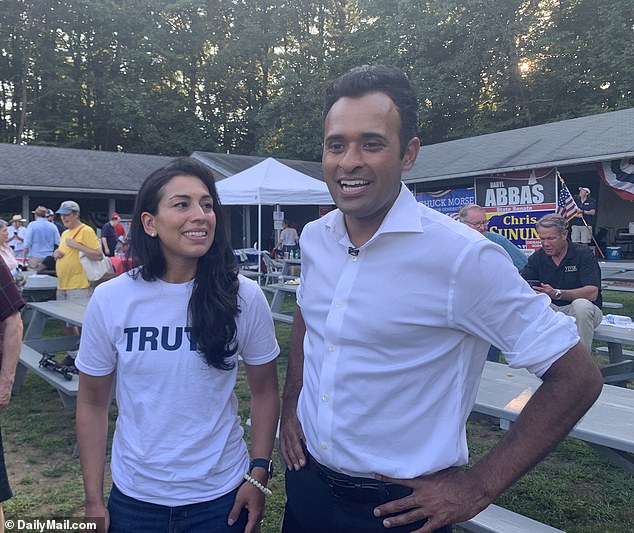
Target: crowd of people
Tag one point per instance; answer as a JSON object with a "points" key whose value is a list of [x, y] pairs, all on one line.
{"points": [[171, 331]]}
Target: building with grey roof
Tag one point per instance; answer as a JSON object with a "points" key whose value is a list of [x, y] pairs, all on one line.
{"points": [[573, 146], [105, 181], [568, 143], [101, 182]]}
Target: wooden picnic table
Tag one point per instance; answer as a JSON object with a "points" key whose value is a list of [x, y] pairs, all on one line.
{"points": [[608, 426], [621, 366], [280, 292], [626, 275], [39, 287], [34, 345], [290, 267], [611, 267]]}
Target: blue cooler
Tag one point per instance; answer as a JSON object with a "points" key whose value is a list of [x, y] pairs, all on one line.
{"points": [[613, 253]]}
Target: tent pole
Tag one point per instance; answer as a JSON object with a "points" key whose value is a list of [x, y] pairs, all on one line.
{"points": [[277, 231], [259, 238], [247, 226]]}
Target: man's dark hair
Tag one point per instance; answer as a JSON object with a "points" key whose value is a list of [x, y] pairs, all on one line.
{"points": [[378, 78]]}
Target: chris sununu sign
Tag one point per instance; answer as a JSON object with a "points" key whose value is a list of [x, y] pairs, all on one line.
{"points": [[515, 201]]}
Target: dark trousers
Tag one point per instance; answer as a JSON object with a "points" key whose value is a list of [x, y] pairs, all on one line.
{"points": [[320, 500]]}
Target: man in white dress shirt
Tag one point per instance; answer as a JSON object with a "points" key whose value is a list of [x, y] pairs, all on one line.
{"points": [[397, 307]]}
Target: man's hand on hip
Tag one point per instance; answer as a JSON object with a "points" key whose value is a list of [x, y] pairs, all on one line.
{"points": [[446, 497]]}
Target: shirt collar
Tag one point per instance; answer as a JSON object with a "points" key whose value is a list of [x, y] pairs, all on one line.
{"points": [[403, 217]]}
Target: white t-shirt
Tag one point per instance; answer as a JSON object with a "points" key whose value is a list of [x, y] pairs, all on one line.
{"points": [[289, 237], [178, 438], [397, 337], [18, 246]]}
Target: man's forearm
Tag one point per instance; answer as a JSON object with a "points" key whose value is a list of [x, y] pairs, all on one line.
{"points": [[589, 292], [570, 387], [295, 368]]}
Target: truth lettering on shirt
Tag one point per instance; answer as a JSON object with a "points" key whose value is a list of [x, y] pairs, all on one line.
{"points": [[148, 338]]}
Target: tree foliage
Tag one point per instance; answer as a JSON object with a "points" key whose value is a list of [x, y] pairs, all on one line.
{"points": [[247, 76]]}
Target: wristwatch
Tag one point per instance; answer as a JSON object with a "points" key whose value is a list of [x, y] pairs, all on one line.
{"points": [[260, 462], [557, 294]]}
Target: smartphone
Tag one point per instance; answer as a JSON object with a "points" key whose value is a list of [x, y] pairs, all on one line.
{"points": [[533, 282]]}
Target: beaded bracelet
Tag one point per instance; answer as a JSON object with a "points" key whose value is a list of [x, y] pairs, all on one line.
{"points": [[256, 483]]}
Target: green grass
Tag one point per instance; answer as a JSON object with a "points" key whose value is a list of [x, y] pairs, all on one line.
{"points": [[574, 489]]}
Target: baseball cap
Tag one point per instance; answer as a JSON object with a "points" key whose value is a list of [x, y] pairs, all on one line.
{"points": [[114, 215], [68, 207], [50, 213], [584, 189]]}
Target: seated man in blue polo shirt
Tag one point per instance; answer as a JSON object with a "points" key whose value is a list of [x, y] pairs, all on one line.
{"points": [[569, 274]]}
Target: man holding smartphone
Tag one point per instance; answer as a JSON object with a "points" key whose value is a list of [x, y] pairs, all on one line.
{"points": [[569, 274]]}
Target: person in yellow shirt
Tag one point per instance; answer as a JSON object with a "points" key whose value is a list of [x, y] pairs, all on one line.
{"points": [[72, 282]]}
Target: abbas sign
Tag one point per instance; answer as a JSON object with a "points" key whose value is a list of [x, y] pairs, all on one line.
{"points": [[514, 202]]}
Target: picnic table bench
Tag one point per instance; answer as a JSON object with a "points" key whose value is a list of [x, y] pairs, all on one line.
{"points": [[496, 519], [608, 426], [621, 366], [34, 345], [280, 292], [30, 360], [614, 286]]}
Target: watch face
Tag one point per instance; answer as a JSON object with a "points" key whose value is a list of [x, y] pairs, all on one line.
{"points": [[262, 463]]}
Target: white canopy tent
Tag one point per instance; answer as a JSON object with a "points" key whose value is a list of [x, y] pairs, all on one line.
{"points": [[272, 183]]}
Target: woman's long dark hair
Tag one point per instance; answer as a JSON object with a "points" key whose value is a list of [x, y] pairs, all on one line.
{"points": [[213, 305]]}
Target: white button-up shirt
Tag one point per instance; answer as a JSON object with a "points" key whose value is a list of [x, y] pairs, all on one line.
{"points": [[397, 336]]}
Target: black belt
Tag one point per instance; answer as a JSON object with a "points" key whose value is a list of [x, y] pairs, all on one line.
{"points": [[357, 489]]}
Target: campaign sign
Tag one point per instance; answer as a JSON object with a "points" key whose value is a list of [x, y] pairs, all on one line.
{"points": [[518, 191], [448, 201], [514, 203], [519, 228]]}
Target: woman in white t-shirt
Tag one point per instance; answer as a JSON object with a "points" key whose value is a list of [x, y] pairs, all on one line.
{"points": [[171, 332], [288, 238]]}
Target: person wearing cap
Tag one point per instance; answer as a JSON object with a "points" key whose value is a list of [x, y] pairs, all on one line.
{"points": [[580, 231], [120, 230], [17, 233], [51, 218], [72, 282], [41, 239], [109, 235]]}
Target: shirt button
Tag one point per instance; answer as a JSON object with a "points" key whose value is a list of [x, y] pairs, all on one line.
{"points": [[338, 305], [331, 348], [325, 397], [324, 445], [354, 258]]}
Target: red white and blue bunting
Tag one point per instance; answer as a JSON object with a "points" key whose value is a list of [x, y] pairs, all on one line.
{"points": [[618, 174]]}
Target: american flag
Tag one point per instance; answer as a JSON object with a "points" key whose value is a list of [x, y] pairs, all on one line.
{"points": [[566, 206]]}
